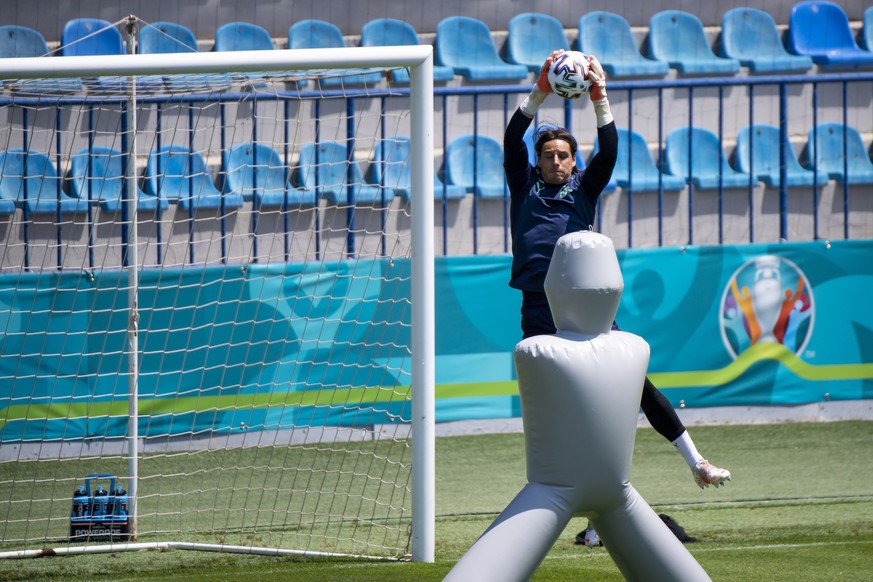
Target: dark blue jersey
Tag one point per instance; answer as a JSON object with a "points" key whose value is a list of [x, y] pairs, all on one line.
{"points": [[540, 214]]}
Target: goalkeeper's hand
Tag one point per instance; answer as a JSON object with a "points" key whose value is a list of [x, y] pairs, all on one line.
{"points": [[543, 80], [598, 79]]}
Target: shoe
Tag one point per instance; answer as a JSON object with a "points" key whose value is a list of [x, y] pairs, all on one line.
{"points": [[588, 537], [705, 473]]}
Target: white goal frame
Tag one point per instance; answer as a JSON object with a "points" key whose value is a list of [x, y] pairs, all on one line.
{"points": [[419, 60]]}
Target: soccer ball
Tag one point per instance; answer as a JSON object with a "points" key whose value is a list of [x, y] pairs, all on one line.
{"points": [[568, 75]]}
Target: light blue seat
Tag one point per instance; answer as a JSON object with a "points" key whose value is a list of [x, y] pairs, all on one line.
{"points": [[678, 38], [176, 173], [532, 37], [310, 34], [608, 37], [750, 36], [645, 171], [97, 175], [323, 169], [390, 169], [466, 45], [255, 172], [758, 153], [244, 36], [30, 179], [707, 159], [821, 30], [21, 41], [826, 149], [867, 30], [168, 38], [393, 32], [485, 178], [94, 37], [530, 142]]}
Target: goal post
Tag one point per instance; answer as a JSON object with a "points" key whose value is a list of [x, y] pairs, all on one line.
{"points": [[351, 290]]}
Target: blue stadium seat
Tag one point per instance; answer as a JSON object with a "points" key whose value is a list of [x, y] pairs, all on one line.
{"points": [[97, 175], [466, 45], [20, 41], [821, 30], [750, 36], [707, 159], [243, 36], [826, 148], [609, 37], [758, 153], [645, 172], [393, 32], [867, 30], [168, 38], [90, 36], [324, 169], [255, 172], [487, 179], [390, 169], [31, 179], [177, 173], [678, 38], [307, 34], [531, 39]]}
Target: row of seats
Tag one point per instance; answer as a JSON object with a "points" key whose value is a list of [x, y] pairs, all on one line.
{"points": [[819, 32], [256, 172]]}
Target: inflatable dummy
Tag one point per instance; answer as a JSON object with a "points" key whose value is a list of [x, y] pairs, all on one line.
{"points": [[580, 394]]}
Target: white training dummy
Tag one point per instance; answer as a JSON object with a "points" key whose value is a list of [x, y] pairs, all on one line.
{"points": [[580, 397]]}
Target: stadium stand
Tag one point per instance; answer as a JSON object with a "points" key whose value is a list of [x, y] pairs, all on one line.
{"points": [[21, 41], [485, 154], [826, 151], [320, 34], [30, 178], [635, 167], [393, 32], [609, 37], [169, 37], [390, 169], [821, 30], [709, 164], [256, 172], [90, 36], [96, 175], [532, 37], [751, 37], [678, 38], [758, 153], [466, 45], [325, 170], [176, 173]]}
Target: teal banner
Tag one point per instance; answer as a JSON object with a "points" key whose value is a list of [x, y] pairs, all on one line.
{"points": [[262, 347]]}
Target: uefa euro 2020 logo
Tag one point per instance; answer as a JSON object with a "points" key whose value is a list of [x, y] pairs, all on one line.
{"points": [[768, 299]]}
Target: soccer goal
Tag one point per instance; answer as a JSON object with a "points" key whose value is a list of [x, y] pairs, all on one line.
{"points": [[216, 303]]}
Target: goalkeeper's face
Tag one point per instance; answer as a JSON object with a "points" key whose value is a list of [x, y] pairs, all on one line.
{"points": [[556, 162]]}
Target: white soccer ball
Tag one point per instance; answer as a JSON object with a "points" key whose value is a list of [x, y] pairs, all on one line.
{"points": [[568, 75]]}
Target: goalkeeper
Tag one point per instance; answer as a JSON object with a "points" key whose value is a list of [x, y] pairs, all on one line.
{"points": [[554, 198]]}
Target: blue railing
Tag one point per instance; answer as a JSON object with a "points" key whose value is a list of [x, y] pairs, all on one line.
{"points": [[619, 91]]}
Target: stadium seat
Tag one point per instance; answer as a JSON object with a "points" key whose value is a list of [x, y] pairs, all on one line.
{"points": [[867, 30], [390, 169], [21, 41], [307, 34], [176, 173], [758, 153], [255, 172], [485, 177], [609, 37], [646, 174], [90, 36], [97, 175], [825, 147], [750, 36], [821, 30], [243, 36], [532, 37], [678, 38], [31, 179], [707, 159], [169, 37], [393, 32], [324, 170], [466, 45]]}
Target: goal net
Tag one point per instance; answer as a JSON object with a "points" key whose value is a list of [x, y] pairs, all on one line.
{"points": [[215, 303]]}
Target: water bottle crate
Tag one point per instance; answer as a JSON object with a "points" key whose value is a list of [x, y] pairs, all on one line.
{"points": [[98, 513]]}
